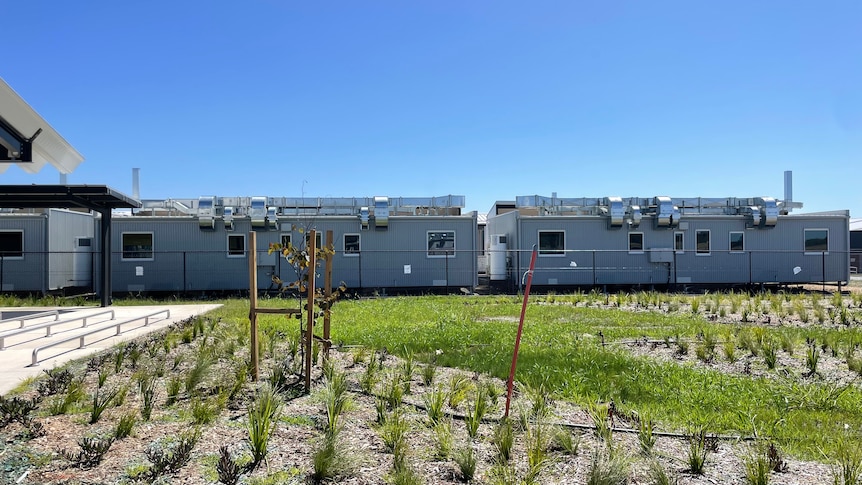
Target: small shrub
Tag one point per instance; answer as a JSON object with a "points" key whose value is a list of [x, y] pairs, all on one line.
{"points": [[170, 458], [91, 451], [229, 471], [57, 381]]}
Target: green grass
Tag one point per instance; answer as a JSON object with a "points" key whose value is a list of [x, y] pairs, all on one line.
{"points": [[560, 350]]}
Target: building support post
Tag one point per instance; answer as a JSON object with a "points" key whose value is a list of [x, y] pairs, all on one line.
{"points": [[105, 284]]}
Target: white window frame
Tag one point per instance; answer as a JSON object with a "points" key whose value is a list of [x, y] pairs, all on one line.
{"points": [[446, 252], [636, 251], [551, 253], [244, 246], [805, 241], [730, 242], [123, 246], [681, 249], [697, 250], [351, 254], [14, 258]]}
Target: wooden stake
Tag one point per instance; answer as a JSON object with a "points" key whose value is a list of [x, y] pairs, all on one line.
{"points": [[252, 302], [327, 292], [309, 331]]}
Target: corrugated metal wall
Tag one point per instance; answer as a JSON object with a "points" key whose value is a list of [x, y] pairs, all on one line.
{"points": [[27, 273]]}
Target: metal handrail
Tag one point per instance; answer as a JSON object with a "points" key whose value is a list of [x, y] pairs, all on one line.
{"points": [[32, 316], [80, 336], [47, 326]]}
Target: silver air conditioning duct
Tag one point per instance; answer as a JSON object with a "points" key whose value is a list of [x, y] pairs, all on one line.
{"points": [[228, 218], [616, 211], [635, 215], [770, 211], [271, 218], [363, 217], [207, 212], [381, 212], [667, 214], [258, 212], [756, 218]]}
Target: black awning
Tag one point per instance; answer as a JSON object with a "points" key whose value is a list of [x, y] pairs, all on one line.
{"points": [[94, 197]]}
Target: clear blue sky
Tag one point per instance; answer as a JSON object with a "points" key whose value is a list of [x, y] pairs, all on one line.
{"points": [[487, 99]]}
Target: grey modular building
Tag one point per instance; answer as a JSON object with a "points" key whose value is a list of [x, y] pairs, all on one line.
{"points": [[664, 241]]}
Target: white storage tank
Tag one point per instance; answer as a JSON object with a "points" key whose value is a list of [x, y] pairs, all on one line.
{"points": [[497, 257]]}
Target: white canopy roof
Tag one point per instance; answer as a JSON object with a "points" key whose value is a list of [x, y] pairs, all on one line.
{"points": [[49, 147]]}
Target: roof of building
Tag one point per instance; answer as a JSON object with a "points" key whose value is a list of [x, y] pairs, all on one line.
{"points": [[48, 147], [93, 197]]}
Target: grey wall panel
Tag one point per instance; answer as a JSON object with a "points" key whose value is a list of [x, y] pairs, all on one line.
{"points": [[29, 272]]}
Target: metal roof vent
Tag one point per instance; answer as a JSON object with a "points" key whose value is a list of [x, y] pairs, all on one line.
{"points": [[770, 211], [381, 212], [616, 210], [667, 214], [206, 212], [754, 213], [363, 217], [228, 218], [258, 212], [635, 215], [271, 218]]}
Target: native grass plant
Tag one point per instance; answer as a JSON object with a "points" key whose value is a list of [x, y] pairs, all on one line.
{"points": [[443, 439], [90, 453], [698, 449], [537, 440], [475, 413], [407, 368], [755, 465], [330, 459], [459, 387], [565, 441], [205, 411], [124, 426], [197, 373], [62, 404], [846, 463], [608, 467], [147, 387], [172, 387], [646, 437], [393, 390], [434, 402], [812, 358], [394, 431], [335, 399], [600, 417], [466, 460], [370, 376], [263, 414], [428, 373], [503, 440], [101, 400], [770, 354], [728, 347], [659, 476]]}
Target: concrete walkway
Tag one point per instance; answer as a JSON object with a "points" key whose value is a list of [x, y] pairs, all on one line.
{"points": [[16, 359]]}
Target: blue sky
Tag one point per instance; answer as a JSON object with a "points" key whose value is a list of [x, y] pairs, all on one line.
{"points": [[487, 99]]}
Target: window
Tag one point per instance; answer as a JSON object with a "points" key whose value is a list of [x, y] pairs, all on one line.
{"points": [[737, 242], [816, 240], [285, 240], [236, 245], [636, 242], [552, 243], [441, 244], [701, 239], [679, 242], [137, 245], [318, 239], [351, 244], [11, 244]]}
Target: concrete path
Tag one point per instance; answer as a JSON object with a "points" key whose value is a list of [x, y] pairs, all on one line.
{"points": [[15, 360]]}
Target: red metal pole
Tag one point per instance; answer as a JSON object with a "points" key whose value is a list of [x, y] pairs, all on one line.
{"points": [[520, 331]]}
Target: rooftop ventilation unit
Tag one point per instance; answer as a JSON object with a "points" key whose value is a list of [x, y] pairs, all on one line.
{"points": [[634, 215], [616, 211], [381, 212], [207, 212], [271, 218], [667, 214], [770, 211], [258, 212], [228, 218], [363, 217]]}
